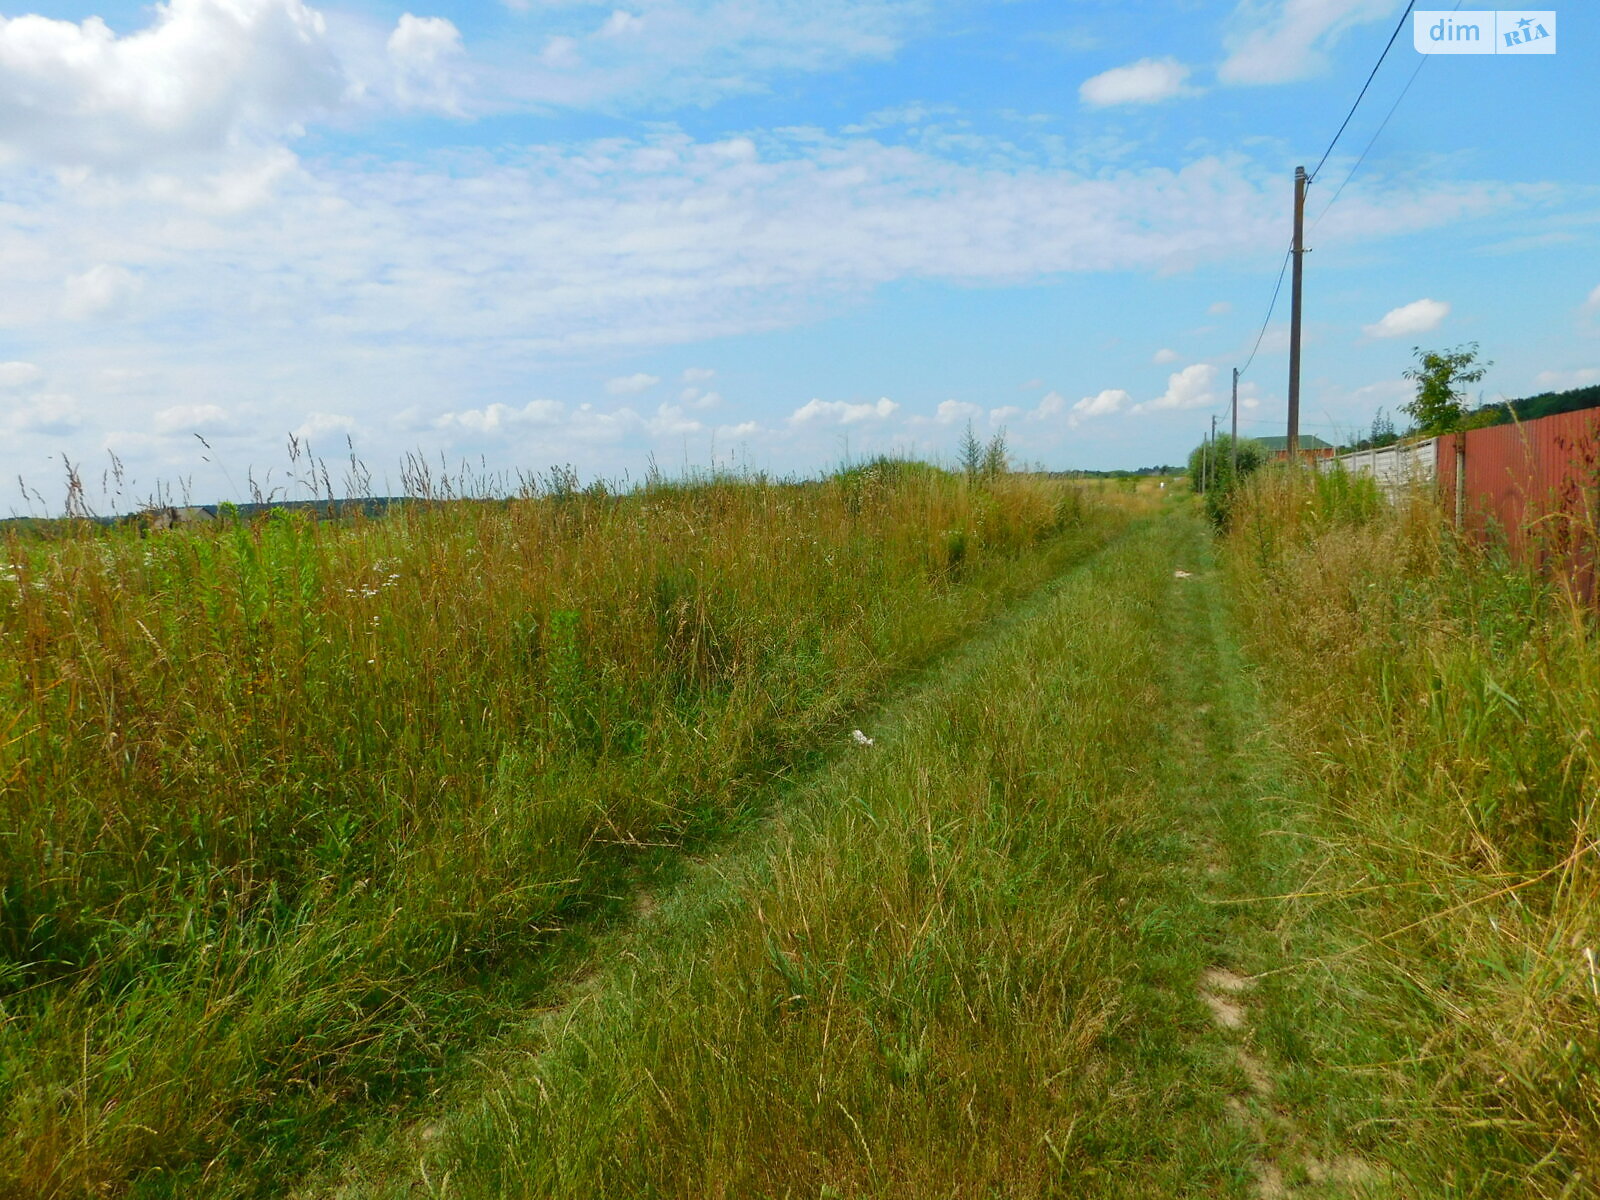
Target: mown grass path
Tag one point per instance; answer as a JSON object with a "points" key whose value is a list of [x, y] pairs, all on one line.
{"points": [[1001, 952]]}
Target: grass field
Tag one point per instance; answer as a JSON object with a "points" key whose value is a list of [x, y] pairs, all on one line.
{"points": [[294, 812], [1251, 866]]}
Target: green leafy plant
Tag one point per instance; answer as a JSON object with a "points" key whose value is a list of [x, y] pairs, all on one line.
{"points": [[1439, 405]]}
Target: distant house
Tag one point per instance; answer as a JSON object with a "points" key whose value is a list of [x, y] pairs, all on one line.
{"points": [[1311, 446]]}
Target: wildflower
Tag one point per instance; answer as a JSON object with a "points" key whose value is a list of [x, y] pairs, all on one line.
{"points": [[1182, 575], [861, 738]]}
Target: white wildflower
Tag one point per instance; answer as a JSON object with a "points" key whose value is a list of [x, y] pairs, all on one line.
{"points": [[861, 738]]}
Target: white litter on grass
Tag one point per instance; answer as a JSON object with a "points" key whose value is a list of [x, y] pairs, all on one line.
{"points": [[861, 738], [1182, 575]]}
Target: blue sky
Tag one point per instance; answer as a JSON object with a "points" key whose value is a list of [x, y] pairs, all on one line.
{"points": [[765, 232]]}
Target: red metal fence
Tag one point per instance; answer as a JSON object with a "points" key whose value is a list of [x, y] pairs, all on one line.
{"points": [[1537, 484]]}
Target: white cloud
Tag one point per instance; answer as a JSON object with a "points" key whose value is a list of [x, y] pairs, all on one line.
{"points": [[560, 53], [1111, 400], [192, 418], [841, 412], [1052, 405], [672, 421], [698, 374], [100, 291], [1005, 412], [427, 58], [494, 418], [1593, 302], [1220, 309], [16, 374], [631, 385], [320, 424], [206, 77], [622, 24], [51, 413], [952, 411], [699, 399], [473, 275], [1144, 82], [1284, 40], [1188, 388], [1163, 356], [1420, 316], [1560, 381]]}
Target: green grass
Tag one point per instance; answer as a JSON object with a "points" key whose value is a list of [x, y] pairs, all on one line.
{"points": [[1434, 709], [503, 850], [960, 963], [296, 814]]}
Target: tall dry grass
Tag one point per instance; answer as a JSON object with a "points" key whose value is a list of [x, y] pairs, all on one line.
{"points": [[294, 811], [1440, 704]]}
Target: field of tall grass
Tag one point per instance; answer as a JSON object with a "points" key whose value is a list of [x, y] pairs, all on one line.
{"points": [[1439, 706], [294, 813], [960, 963]]}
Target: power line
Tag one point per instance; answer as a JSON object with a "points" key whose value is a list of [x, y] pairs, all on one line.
{"points": [[1401, 25], [1278, 287], [1393, 108], [1340, 190]]}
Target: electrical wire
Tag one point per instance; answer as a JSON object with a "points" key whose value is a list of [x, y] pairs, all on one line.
{"points": [[1393, 108], [1372, 142], [1273, 304], [1374, 74]]}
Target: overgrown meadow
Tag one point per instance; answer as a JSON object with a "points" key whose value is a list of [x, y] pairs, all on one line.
{"points": [[294, 812], [1439, 704]]}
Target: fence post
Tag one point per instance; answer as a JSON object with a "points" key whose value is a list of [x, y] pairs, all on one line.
{"points": [[1461, 480]]}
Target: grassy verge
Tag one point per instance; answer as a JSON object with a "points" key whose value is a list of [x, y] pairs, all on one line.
{"points": [[962, 962], [293, 814], [1435, 711]]}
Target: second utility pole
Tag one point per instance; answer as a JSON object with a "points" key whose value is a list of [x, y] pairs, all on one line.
{"points": [[1233, 443], [1294, 314]]}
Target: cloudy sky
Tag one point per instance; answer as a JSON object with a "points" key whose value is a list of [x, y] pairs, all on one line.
{"points": [[766, 232]]}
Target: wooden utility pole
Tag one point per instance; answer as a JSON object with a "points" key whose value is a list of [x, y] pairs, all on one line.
{"points": [[1213, 449], [1294, 313], [1233, 440], [1205, 454]]}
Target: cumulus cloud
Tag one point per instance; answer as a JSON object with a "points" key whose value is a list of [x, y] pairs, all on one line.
{"points": [[622, 24], [1220, 309], [1560, 381], [17, 374], [50, 413], [427, 58], [100, 291], [1188, 388], [1594, 300], [631, 385], [1163, 356], [951, 411], [1284, 40], [494, 418], [1420, 316], [699, 399], [1052, 405], [842, 412], [320, 424], [1144, 82], [1111, 400], [670, 420], [698, 374], [192, 418], [206, 77]]}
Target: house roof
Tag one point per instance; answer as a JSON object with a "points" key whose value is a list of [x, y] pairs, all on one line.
{"points": [[1308, 441]]}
